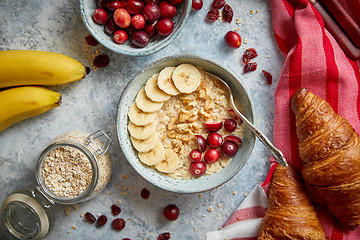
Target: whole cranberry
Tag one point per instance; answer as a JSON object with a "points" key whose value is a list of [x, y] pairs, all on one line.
{"points": [[176, 2], [233, 39], [130, 30], [211, 156], [122, 18], [120, 37], [101, 220], [118, 223], [214, 140], [145, 193], [113, 5], [101, 61], [157, 2], [100, 16], [151, 12], [167, 10], [171, 212], [195, 155], [196, 5], [138, 21], [110, 27], [102, 4], [201, 141], [135, 6], [197, 169], [165, 27], [230, 125], [229, 149], [150, 28], [140, 39], [123, 4], [164, 236]]}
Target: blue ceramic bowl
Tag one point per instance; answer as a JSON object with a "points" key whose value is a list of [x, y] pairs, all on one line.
{"points": [[156, 43], [205, 182]]}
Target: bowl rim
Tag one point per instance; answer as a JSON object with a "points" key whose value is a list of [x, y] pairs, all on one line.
{"points": [[114, 47], [165, 59]]}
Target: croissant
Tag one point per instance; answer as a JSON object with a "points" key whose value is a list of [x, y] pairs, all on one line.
{"points": [[290, 214], [329, 149]]}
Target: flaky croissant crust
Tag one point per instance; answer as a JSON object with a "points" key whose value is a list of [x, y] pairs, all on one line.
{"points": [[290, 214], [329, 148]]}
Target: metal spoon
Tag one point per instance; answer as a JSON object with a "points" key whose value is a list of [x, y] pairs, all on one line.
{"points": [[278, 155]]}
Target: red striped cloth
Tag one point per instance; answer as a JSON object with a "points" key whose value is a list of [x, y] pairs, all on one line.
{"points": [[313, 60]]}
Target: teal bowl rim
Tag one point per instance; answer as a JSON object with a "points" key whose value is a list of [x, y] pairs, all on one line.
{"points": [[113, 47], [163, 60]]}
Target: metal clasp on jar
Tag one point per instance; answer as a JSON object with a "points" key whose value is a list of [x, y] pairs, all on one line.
{"points": [[100, 134]]}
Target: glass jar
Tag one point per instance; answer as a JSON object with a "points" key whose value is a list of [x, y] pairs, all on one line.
{"points": [[74, 168]]}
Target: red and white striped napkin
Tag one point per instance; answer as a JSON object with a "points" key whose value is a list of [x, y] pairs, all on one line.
{"points": [[313, 60]]}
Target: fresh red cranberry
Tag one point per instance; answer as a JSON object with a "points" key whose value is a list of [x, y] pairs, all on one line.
{"points": [[140, 39], [212, 15], [250, 67], [197, 169], [101, 220], [201, 141], [176, 2], [235, 116], [214, 140], [196, 5], [130, 30], [113, 5], [233, 39], [151, 12], [218, 4], [120, 37], [100, 16], [195, 155], [233, 139], [110, 27], [268, 77], [88, 216], [171, 212], [230, 125], [122, 18], [213, 126], [91, 40], [116, 210], [167, 10], [123, 3], [150, 28], [135, 6], [101, 61], [164, 236], [228, 13], [118, 223], [102, 4], [145, 193], [249, 54], [157, 2], [138, 21], [165, 27], [211, 156], [229, 149]]}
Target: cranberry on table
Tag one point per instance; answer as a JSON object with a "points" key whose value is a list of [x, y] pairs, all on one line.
{"points": [[118, 223], [212, 15], [233, 39], [196, 5], [120, 37], [171, 212], [214, 140], [229, 149], [91, 40], [138, 21], [201, 141], [218, 4], [230, 125], [268, 77], [150, 28], [250, 67], [213, 126], [165, 27], [157, 2], [228, 13], [167, 10], [89, 217], [135, 6], [113, 5], [197, 169], [110, 27], [145, 193], [122, 18], [101, 61], [115, 209], [100, 16], [164, 236], [151, 12], [176, 2], [195, 155], [249, 54], [211, 156], [101, 220], [140, 39]]}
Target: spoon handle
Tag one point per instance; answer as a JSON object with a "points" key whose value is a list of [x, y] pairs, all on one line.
{"points": [[278, 155]]}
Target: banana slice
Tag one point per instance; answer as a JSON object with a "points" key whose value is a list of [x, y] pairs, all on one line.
{"points": [[186, 78], [170, 162], [139, 117], [154, 156], [165, 81], [141, 132], [145, 145], [153, 92], [145, 104]]}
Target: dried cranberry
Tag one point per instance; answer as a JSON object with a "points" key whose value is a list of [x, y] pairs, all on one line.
{"points": [[164, 236], [91, 40], [228, 13], [250, 67], [115, 209], [101, 61], [145, 193], [268, 77], [88, 216], [218, 4], [249, 54], [101, 220], [212, 15], [118, 223]]}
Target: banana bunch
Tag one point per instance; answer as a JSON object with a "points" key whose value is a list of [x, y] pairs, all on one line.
{"points": [[21, 68]]}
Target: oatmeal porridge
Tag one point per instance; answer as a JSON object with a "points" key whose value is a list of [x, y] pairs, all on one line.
{"points": [[172, 108]]}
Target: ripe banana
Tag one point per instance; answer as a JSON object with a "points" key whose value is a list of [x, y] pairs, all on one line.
{"points": [[19, 103], [165, 81], [153, 157], [169, 163], [139, 117], [32, 67], [141, 132], [153, 92], [145, 104], [186, 77]]}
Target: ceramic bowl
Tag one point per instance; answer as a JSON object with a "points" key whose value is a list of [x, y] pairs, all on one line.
{"points": [[206, 182], [156, 43]]}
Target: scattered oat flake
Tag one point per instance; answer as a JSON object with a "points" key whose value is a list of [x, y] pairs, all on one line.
{"points": [[210, 209], [191, 222], [257, 11], [73, 227], [123, 193], [238, 20], [234, 192], [76, 207], [67, 211], [68, 232], [245, 194], [128, 219], [252, 12], [219, 215], [200, 196], [220, 205], [236, 29], [118, 202], [125, 176], [245, 41], [117, 186], [82, 214], [195, 229], [111, 193]]}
